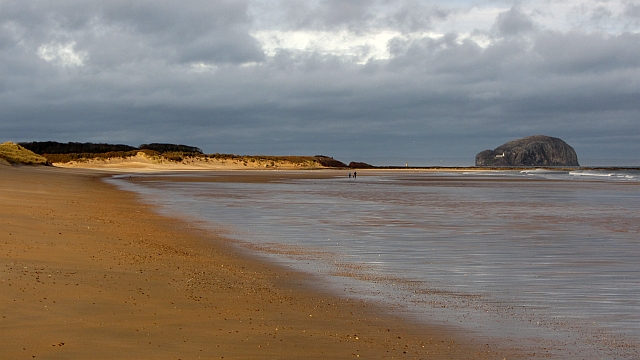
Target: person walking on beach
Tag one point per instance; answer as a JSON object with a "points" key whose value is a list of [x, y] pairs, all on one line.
{"points": [[349, 175], [354, 174]]}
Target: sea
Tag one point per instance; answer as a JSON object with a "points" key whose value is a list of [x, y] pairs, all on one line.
{"points": [[547, 261]]}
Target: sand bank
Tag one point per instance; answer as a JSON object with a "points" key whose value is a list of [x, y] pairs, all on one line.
{"points": [[145, 163], [87, 272]]}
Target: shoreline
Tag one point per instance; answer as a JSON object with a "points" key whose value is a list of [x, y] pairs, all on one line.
{"points": [[86, 266], [142, 163]]}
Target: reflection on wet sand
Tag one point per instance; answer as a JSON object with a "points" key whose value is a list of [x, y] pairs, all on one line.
{"points": [[523, 257]]}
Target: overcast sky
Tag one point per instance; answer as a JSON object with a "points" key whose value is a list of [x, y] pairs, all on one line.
{"points": [[388, 81]]}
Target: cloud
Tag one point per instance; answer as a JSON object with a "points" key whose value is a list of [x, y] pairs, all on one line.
{"points": [[211, 31], [576, 52], [513, 22], [415, 16], [360, 79], [632, 13], [356, 16], [63, 55]]}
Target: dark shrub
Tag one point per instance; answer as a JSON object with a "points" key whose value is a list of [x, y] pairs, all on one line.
{"points": [[329, 162], [52, 147], [163, 148], [360, 165]]}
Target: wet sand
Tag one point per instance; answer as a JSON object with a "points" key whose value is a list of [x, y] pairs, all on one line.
{"points": [[88, 272]]}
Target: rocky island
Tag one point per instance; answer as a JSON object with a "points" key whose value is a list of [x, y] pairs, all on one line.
{"points": [[537, 150]]}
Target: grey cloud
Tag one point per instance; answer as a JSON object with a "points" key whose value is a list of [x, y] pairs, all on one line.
{"points": [[513, 22], [329, 14], [414, 16], [228, 48], [632, 13], [435, 98], [448, 56], [632, 10], [512, 87], [601, 14], [352, 13], [212, 31], [362, 15], [579, 52]]}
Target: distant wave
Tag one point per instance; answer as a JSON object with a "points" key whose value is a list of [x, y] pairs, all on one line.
{"points": [[542, 171], [550, 174], [620, 176]]}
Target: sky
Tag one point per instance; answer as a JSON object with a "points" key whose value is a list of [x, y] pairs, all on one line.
{"points": [[382, 81]]}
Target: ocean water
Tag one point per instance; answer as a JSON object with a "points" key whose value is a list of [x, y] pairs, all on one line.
{"points": [[547, 260]]}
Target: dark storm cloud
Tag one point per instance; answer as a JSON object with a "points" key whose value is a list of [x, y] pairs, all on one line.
{"points": [[160, 71]]}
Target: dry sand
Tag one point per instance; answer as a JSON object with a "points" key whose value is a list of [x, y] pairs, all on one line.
{"points": [[87, 272], [144, 163]]}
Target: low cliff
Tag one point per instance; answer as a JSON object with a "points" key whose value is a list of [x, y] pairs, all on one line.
{"points": [[538, 150]]}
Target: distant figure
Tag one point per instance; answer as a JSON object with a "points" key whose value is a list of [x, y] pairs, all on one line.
{"points": [[349, 175], [354, 174]]}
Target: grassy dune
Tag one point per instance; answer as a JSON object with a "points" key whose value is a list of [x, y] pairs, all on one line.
{"points": [[15, 154], [76, 154]]}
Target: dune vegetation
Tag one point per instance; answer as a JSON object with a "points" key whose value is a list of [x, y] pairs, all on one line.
{"points": [[14, 154], [88, 154]]}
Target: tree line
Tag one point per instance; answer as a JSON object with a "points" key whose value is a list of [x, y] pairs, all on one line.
{"points": [[53, 147]]}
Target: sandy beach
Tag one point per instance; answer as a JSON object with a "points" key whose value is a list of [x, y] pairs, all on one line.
{"points": [[88, 272]]}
